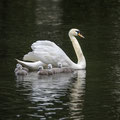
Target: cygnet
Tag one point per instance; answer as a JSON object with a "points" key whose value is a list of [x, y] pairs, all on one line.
{"points": [[57, 70], [50, 69], [17, 67], [65, 69], [20, 71], [42, 71]]}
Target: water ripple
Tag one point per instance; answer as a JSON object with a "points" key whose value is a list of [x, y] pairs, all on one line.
{"points": [[47, 93]]}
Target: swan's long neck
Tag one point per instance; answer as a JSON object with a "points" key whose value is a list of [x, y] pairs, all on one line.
{"points": [[77, 48]]}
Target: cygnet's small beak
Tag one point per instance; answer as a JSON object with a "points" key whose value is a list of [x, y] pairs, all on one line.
{"points": [[81, 35]]}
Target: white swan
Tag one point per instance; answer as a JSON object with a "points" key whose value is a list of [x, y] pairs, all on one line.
{"points": [[47, 52]]}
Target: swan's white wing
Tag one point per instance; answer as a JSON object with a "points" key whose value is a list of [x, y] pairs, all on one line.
{"points": [[47, 52]]}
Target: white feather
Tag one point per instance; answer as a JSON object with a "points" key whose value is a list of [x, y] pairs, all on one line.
{"points": [[47, 52]]}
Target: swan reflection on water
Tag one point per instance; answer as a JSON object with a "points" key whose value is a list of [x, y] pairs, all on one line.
{"points": [[77, 96], [45, 91]]}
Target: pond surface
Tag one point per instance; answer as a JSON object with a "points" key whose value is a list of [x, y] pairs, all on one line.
{"points": [[91, 94]]}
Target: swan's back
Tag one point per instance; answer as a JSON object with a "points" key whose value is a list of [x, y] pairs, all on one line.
{"points": [[47, 51]]}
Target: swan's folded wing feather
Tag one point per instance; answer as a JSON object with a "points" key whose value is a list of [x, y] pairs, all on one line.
{"points": [[47, 52], [38, 44]]}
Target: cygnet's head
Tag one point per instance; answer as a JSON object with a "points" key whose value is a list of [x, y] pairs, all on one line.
{"points": [[49, 66], [75, 32], [40, 68], [60, 65], [20, 67], [17, 65]]}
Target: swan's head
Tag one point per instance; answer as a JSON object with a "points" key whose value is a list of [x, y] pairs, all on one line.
{"points": [[49, 66], [40, 68], [75, 32]]}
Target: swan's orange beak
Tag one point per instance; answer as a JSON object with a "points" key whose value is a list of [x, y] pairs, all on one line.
{"points": [[81, 35]]}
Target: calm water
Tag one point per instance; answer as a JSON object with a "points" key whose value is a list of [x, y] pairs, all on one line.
{"points": [[92, 94]]}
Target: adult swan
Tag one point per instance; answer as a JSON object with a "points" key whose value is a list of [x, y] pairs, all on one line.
{"points": [[46, 52]]}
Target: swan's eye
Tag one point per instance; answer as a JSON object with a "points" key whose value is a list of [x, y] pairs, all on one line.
{"points": [[78, 32]]}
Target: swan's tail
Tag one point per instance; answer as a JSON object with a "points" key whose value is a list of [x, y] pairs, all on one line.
{"points": [[31, 65]]}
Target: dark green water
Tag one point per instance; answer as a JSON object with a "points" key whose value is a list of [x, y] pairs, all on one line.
{"points": [[93, 94]]}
